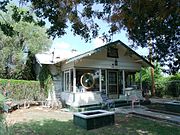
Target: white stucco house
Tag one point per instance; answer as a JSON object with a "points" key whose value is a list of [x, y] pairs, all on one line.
{"points": [[111, 68]]}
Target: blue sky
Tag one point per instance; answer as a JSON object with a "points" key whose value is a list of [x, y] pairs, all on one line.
{"points": [[68, 42]]}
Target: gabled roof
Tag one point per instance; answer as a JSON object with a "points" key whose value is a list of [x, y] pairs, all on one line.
{"points": [[118, 42]]}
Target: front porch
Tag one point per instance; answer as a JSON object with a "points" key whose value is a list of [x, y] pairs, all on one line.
{"points": [[91, 101], [83, 87]]}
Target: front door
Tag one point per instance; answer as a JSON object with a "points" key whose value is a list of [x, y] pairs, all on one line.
{"points": [[112, 90]]}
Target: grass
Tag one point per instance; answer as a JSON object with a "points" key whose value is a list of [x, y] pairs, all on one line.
{"points": [[3, 126], [123, 126]]}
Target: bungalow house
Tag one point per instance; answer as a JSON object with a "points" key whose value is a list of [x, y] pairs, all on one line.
{"points": [[111, 68]]}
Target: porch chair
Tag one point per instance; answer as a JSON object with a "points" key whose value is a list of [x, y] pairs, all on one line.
{"points": [[106, 102], [134, 99]]}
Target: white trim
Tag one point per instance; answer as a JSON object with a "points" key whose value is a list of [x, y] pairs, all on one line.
{"points": [[70, 80], [100, 83], [106, 80], [65, 85], [74, 80], [123, 74]]}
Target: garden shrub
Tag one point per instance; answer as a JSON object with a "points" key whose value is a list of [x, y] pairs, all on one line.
{"points": [[3, 125], [173, 86], [164, 86], [160, 85], [3, 130], [168, 86], [21, 89]]}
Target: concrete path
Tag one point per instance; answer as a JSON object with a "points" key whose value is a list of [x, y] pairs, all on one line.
{"points": [[160, 100], [142, 111]]}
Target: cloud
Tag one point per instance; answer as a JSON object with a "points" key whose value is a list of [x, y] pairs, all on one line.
{"points": [[62, 50], [98, 42], [60, 45]]}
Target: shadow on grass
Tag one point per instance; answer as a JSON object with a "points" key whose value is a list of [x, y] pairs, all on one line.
{"points": [[124, 125], [45, 127]]}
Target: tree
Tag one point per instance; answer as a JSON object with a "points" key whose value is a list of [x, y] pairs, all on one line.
{"points": [[20, 36], [144, 21], [147, 79], [155, 21]]}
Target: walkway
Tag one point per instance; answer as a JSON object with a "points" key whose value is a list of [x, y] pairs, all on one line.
{"points": [[142, 111], [160, 100]]}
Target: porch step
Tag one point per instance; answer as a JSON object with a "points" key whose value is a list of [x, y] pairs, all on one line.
{"points": [[86, 108], [120, 103]]}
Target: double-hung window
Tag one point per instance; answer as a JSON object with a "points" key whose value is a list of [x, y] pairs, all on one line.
{"points": [[67, 80]]}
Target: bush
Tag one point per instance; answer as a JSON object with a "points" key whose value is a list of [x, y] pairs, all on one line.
{"points": [[21, 89], [173, 86], [3, 125], [160, 85], [169, 86]]}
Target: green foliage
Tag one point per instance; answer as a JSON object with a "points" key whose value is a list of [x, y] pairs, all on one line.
{"points": [[173, 85], [144, 20], [164, 86], [2, 99], [168, 86], [19, 30], [45, 79], [21, 89], [123, 126], [161, 87], [155, 20], [146, 75], [3, 125]]}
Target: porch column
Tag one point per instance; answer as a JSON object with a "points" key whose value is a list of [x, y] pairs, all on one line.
{"points": [[106, 79], [100, 83], [140, 76], [74, 80], [123, 74]]}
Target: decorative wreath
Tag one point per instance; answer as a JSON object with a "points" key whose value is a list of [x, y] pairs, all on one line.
{"points": [[87, 80]]}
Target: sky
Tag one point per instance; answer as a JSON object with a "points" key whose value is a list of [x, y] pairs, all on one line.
{"points": [[69, 42], [66, 43]]}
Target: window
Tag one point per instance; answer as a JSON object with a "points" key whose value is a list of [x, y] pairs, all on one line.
{"points": [[67, 80], [94, 73], [103, 80], [112, 52]]}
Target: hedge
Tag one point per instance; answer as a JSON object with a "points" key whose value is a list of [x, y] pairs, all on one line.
{"points": [[169, 86], [21, 89]]}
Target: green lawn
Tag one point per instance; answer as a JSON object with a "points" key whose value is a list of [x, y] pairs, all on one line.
{"points": [[123, 126]]}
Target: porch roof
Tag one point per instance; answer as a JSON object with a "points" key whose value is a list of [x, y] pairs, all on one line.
{"points": [[118, 42]]}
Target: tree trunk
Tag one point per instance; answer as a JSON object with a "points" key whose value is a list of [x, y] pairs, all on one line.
{"points": [[152, 69]]}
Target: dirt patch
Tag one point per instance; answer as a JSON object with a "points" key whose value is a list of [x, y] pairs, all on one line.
{"points": [[36, 113]]}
